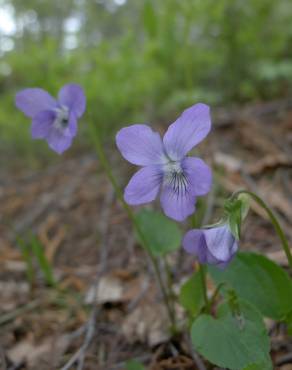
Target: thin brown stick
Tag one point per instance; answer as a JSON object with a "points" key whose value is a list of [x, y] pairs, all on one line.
{"points": [[79, 356]]}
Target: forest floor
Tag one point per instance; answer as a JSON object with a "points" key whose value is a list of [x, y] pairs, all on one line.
{"points": [[88, 240]]}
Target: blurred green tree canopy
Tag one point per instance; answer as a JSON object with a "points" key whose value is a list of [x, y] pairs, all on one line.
{"points": [[139, 59]]}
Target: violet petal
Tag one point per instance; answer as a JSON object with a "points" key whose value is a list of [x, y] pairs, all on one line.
{"points": [[41, 124], [73, 97], [187, 131], [34, 100], [143, 186], [221, 243], [199, 175], [140, 145], [194, 243], [58, 141], [177, 205]]}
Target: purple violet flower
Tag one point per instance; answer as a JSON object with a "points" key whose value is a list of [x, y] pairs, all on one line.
{"points": [[166, 169], [53, 120], [215, 246]]}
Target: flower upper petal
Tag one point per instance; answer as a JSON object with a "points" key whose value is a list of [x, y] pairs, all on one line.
{"points": [[58, 141], [221, 243], [144, 185], [177, 204], [73, 97], [140, 145], [187, 131], [32, 101], [199, 175], [42, 123]]}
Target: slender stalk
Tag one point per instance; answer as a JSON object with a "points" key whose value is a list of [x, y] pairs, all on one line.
{"points": [[196, 222], [172, 295], [202, 272], [107, 169], [273, 219], [215, 294]]}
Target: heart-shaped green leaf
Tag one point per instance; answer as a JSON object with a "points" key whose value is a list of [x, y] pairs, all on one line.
{"points": [[191, 295], [162, 234], [134, 365], [260, 281], [230, 342]]}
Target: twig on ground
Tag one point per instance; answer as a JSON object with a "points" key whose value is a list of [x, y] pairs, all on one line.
{"points": [[144, 288], [284, 360], [197, 359], [18, 312], [3, 359], [79, 356]]}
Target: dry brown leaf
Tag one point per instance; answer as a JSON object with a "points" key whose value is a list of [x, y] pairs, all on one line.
{"points": [[32, 353], [147, 323], [51, 244], [269, 161], [174, 363], [15, 266], [108, 289], [286, 367], [230, 163], [117, 287], [278, 200], [13, 288], [279, 257]]}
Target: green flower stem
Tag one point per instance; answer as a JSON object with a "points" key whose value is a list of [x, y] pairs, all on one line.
{"points": [[171, 292], [202, 272], [196, 223], [215, 294], [107, 169], [273, 219]]}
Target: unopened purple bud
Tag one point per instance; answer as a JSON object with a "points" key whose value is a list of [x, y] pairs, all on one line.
{"points": [[214, 246]]}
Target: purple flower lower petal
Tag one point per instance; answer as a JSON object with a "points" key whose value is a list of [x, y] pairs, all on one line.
{"points": [[199, 175], [42, 124], [140, 145], [58, 141], [177, 205], [221, 243], [32, 101], [194, 243], [143, 186], [187, 131], [73, 97]]}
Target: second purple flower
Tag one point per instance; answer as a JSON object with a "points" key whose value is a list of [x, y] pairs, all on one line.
{"points": [[54, 120], [166, 168]]}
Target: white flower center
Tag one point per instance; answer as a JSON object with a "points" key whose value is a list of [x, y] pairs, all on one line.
{"points": [[175, 177], [62, 118]]}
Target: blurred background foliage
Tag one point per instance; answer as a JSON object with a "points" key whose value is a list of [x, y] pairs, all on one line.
{"points": [[140, 60]]}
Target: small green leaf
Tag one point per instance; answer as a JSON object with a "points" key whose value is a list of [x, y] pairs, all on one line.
{"points": [[150, 19], [244, 198], [233, 210], [26, 255], [231, 344], [134, 365], [236, 211], [258, 366], [191, 295], [44, 264], [161, 234], [260, 281]]}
